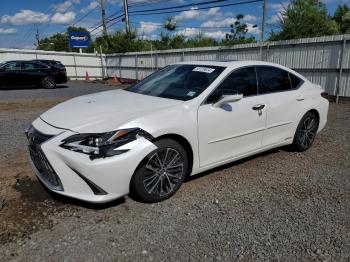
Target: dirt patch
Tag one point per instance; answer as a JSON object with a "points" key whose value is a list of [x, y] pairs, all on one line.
{"points": [[29, 104], [28, 206]]}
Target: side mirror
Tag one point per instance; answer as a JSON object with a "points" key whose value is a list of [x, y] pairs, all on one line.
{"points": [[228, 99]]}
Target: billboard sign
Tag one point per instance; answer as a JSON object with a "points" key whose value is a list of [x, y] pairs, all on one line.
{"points": [[79, 39]]}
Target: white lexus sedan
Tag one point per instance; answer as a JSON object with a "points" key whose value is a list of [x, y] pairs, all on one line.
{"points": [[181, 120]]}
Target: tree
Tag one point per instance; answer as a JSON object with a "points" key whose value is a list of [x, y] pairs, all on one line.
{"points": [[201, 41], [167, 41], [346, 23], [342, 18], [304, 18], [56, 42], [238, 33], [121, 42]]}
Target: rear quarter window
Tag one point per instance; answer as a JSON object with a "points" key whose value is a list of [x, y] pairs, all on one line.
{"points": [[295, 81]]}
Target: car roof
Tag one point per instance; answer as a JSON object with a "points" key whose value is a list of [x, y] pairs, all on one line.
{"points": [[232, 63], [240, 63], [47, 60], [11, 61]]}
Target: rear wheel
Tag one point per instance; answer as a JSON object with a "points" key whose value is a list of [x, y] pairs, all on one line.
{"points": [[161, 173], [306, 132], [48, 82]]}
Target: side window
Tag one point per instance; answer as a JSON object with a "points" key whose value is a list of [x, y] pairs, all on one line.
{"points": [[13, 66], [29, 66], [41, 66], [294, 80], [272, 79], [239, 81]]}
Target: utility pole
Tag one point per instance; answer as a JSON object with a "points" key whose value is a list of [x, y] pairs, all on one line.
{"points": [[103, 14], [262, 35], [263, 22], [126, 13], [37, 38]]}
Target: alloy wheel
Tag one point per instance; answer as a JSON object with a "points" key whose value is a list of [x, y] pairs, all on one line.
{"points": [[49, 82], [164, 172], [308, 131]]}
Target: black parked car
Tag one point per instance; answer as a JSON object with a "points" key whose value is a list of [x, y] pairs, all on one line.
{"points": [[31, 73]]}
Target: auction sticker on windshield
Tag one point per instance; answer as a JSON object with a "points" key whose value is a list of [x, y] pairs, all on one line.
{"points": [[204, 69], [191, 93]]}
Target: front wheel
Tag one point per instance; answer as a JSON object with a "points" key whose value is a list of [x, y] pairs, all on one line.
{"points": [[306, 132], [48, 82], [161, 173]]}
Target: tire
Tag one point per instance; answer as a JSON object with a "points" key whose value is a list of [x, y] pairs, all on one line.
{"points": [[306, 132], [48, 82], [161, 173]]}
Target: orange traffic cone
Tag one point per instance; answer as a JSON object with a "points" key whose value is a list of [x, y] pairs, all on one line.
{"points": [[87, 77], [116, 79]]}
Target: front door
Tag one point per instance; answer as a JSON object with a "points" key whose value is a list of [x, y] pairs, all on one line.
{"points": [[236, 128], [10, 74]]}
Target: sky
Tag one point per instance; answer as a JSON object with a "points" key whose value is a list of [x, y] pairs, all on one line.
{"points": [[19, 19]]}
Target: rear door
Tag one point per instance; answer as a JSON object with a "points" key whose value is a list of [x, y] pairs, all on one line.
{"points": [[235, 128], [282, 99], [33, 73]]}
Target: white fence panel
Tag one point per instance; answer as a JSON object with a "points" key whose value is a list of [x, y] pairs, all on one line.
{"points": [[77, 64], [317, 58]]}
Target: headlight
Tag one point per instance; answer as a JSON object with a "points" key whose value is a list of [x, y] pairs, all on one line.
{"points": [[103, 144]]}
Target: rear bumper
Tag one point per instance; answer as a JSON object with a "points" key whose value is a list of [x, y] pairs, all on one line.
{"points": [[97, 181], [61, 79], [323, 113]]}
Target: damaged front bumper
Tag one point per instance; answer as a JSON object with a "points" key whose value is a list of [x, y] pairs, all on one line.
{"points": [[76, 175]]}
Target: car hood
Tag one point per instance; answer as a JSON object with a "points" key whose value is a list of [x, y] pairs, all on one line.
{"points": [[104, 111]]}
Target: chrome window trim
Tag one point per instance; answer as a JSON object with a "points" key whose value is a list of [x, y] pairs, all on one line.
{"points": [[204, 102]]}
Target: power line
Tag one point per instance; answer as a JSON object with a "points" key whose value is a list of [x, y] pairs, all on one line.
{"points": [[54, 8], [190, 27], [108, 21], [180, 6], [157, 9], [137, 13], [199, 8], [149, 2], [83, 17], [51, 9], [110, 25], [79, 20]]}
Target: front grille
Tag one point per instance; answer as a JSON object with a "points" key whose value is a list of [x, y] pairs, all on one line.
{"points": [[46, 172]]}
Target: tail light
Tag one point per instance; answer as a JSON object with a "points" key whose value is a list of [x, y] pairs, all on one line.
{"points": [[63, 71], [325, 95]]}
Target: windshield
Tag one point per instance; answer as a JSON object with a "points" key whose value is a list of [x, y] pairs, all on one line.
{"points": [[181, 82]]}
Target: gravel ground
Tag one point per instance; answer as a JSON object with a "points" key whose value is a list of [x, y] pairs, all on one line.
{"points": [[71, 89], [20, 107], [279, 205]]}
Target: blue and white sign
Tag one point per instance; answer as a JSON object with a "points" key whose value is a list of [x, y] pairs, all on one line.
{"points": [[79, 39]]}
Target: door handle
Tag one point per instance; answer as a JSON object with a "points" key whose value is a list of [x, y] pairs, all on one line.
{"points": [[258, 107], [300, 98]]}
